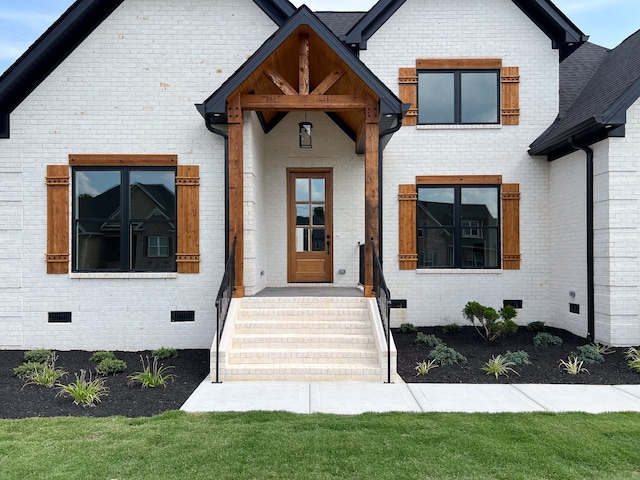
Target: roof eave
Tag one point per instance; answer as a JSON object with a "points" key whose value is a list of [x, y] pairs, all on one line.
{"points": [[362, 31]]}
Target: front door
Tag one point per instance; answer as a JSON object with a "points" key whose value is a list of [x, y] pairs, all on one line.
{"points": [[310, 225]]}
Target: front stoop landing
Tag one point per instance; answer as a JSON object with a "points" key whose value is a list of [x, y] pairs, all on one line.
{"points": [[302, 339]]}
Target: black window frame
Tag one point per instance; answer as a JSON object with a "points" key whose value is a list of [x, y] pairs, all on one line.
{"points": [[125, 220], [459, 228], [457, 94]]}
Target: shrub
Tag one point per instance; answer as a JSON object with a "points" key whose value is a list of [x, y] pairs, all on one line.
{"points": [[84, 392], [39, 356], [164, 353], [633, 355], [498, 366], [544, 339], [26, 370], [151, 375], [519, 357], [572, 366], [491, 324], [407, 328], [44, 374], [98, 357], [111, 366], [603, 349], [451, 328], [427, 340], [588, 354], [447, 356], [536, 327], [423, 367]]}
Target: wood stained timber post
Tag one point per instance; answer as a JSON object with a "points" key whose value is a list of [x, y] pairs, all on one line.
{"points": [[303, 75], [57, 219], [371, 208], [236, 189]]}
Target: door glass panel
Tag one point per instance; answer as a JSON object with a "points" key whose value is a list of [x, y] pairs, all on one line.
{"points": [[318, 215], [302, 189], [317, 189], [302, 214], [302, 239], [317, 240]]}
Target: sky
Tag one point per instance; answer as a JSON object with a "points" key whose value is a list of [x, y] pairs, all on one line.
{"points": [[607, 22]]}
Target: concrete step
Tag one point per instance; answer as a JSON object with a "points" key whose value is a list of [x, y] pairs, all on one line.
{"points": [[330, 315], [301, 340], [303, 372], [304, 302], [302, 356], [361, 327]]}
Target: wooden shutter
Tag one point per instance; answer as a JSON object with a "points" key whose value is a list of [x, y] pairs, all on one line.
{"points": [[408, 250], [408, 80], [511, 226], [57, 219], [510, 96], [187, 186]]}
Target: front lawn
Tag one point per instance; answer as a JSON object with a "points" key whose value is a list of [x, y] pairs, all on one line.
{"points": [[262, 445]]}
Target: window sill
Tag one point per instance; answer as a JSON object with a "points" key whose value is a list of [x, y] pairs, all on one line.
{"points": [[125, 275], [458, 271], [492, 126]]}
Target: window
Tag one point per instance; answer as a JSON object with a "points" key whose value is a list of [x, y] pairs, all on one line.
{"points": [[458, 96], [458, 226], [124, 219]]}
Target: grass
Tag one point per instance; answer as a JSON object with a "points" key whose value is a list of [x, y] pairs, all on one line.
{"points": [[261, 445]]}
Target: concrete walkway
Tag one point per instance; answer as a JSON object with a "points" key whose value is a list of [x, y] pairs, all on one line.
{"points": [[356, 398]]}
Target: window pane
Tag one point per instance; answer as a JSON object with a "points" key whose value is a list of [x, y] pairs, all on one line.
{"points": [[436, 97], [317, 189], [317, 237], [302, 189], [97, 194], [479, 97], [318, 215], [435, 207], [435, 247], [97, 248], [479, 207], [302, 214], [302, 239], [152, 194], [482, 251]]}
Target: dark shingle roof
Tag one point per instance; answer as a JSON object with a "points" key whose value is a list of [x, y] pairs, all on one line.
{"points": [[602, 102], [340, 22]]}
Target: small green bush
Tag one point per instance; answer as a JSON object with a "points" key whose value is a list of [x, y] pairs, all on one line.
{"points": [[572, 366], [588, 354], [451, 328], [84, 392], [544, 339], [97, 357], [491, 323], [424, 367], [427, 340], [407, 328], [519, 357], [447, 356], [26, 370], [46, 374], [111, 366], [498, 366], [164, 353], [536, 327], [39, 356], [151, 375], [633, 355]]}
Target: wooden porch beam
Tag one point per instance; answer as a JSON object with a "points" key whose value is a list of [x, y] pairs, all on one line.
{"points": [[371, 191], [329, 81], [303, 62], [236, 189], [280, 82], [293, 103]]}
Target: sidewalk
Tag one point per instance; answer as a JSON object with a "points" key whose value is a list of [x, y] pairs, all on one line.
{"points": [[356, 398]]}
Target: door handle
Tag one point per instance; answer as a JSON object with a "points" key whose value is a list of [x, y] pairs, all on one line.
{"points": [[328, 245]]}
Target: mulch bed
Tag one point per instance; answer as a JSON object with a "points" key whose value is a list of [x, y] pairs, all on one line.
{"points": [[18, 400], [544, 366]]}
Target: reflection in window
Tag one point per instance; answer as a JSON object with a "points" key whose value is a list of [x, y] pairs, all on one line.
{"points": [[458, 227], [124, 219]]}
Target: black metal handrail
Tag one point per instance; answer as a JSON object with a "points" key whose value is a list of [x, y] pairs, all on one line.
{"points": [[223, 301], [383, 298]]}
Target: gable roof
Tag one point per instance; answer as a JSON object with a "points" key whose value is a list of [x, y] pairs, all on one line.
{"points": [[599, 109], [64, 36], [340, 22], [562, 32], [214, 109]]}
